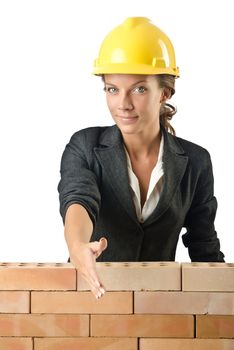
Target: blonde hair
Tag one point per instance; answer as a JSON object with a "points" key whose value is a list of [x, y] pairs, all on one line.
{"points": [[167, 111]]}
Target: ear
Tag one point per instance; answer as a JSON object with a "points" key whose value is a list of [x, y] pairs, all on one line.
{"points": [[166, 94]]}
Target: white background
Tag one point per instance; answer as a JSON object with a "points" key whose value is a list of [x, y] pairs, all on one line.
{"points": [[47, 93]]}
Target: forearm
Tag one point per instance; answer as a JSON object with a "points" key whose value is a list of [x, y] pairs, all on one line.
{"points": [[78, 226]]}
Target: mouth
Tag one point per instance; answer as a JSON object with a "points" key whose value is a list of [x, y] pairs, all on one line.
{"points": [[127, 119], [126, 116]]}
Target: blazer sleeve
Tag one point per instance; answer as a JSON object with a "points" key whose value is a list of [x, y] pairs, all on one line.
{"points": [[78, 183], [201, 238]]}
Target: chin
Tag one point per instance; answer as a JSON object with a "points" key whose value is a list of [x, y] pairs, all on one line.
{"points": [[128, 130]]}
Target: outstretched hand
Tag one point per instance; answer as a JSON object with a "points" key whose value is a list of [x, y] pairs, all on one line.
{"points": [[84, 259]]}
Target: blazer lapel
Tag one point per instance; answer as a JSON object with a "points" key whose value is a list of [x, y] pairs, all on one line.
{"points": [[113, 160], [174, 164]]}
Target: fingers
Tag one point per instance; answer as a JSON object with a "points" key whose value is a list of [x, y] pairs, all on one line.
{"points": [[91, 276], [98, 293], [96, 286], [97, 248]]}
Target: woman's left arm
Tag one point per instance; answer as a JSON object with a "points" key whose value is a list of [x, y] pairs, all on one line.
{"points": [[201, 238]]}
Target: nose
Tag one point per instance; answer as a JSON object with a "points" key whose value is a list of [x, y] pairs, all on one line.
{"points": [[125, 102]]}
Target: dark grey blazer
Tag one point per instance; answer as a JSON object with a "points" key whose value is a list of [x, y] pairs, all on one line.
{"points": [[94, 174]]}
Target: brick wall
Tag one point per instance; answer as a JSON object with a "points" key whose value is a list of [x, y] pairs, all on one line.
{"points": [[148, 306]]}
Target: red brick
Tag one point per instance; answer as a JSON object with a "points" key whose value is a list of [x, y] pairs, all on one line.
{"points": [[208, 277], [27, 276], [132, 276], [82, 303], [183, 303], [185, 344], [85, 344], [44, 325], [215, 326], [174, 326], [14, 302], [16, 344]]}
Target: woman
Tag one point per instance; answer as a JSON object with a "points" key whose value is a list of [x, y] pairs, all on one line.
{"points": [[126, 191]]}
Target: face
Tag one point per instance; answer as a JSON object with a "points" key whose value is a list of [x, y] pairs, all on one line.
{"points": [[134, 101]]}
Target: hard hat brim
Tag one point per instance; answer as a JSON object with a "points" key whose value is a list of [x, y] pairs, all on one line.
{"points": [[120, 68]]}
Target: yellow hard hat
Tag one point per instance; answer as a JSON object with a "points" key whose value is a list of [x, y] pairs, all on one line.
{"points": [[136, 47]]}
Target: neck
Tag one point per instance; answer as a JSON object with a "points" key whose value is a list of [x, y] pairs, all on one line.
{"points": [[142, 145]]}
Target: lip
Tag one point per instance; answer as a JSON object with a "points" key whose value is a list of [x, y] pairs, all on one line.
{"points": [[128, 119], [126, 116]]}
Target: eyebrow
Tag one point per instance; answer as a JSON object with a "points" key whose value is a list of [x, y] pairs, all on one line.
{"points": [[138, 82]]}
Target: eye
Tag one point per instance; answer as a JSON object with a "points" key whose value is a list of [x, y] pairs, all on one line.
{"points": [[111, 90], [139, 89]]}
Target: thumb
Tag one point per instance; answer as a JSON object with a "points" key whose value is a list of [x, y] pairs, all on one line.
{"points": [[103, 244], [97, 247]]}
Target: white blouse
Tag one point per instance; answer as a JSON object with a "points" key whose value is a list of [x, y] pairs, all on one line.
{"points": [[154, 190]]}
